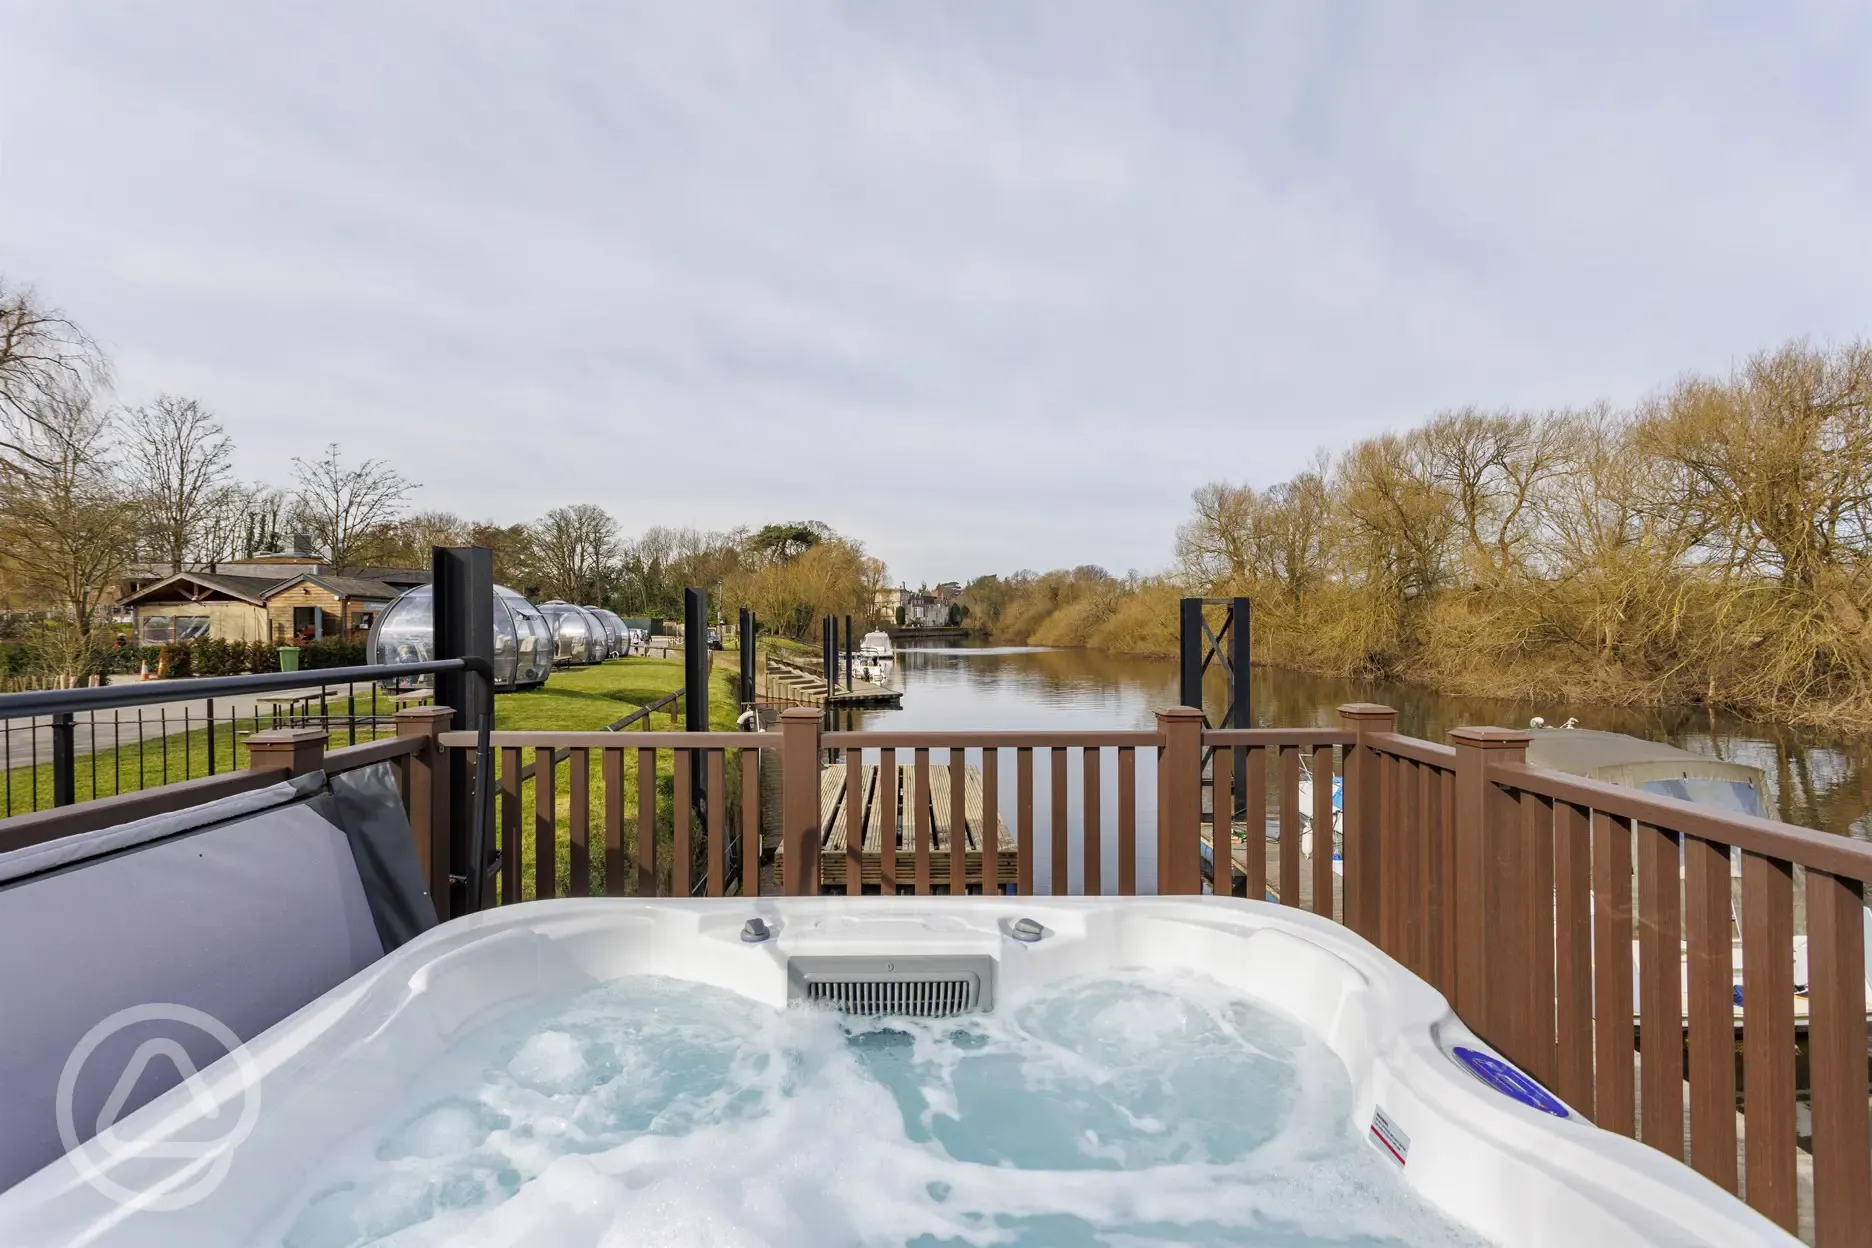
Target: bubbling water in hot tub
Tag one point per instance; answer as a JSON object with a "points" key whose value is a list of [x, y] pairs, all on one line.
{"points": [[1122, 1109]]}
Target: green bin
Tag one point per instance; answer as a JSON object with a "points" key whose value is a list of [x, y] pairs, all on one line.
{"points": [[289, 658]]}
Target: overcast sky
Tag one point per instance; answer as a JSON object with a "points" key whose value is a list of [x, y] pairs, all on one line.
{"points": [[989, 286]]}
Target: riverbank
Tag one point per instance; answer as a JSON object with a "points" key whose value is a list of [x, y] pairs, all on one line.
{"points": [[1468, 645]]}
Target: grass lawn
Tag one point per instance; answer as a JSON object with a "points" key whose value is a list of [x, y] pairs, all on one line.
{"points": [[586, 699]]}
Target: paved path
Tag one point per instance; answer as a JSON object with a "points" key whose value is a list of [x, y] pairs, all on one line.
{"points": [[103, 730]]}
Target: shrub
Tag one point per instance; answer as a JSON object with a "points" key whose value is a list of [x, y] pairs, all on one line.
{"points": [[175, 662], [331, 652]]}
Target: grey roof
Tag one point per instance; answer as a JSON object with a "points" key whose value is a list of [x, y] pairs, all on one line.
{"points": [[1618, 759], [344, 586], [401, 577], [254, 589]]}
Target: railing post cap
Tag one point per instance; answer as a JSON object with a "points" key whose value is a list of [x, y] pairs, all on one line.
{"points": [[799, 715], [424, 712], [287, 736], [1492, 738], [1179, 712], [1366, 710]]}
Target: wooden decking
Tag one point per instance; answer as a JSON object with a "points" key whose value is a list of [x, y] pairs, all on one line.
{"points": [[883, 814]]}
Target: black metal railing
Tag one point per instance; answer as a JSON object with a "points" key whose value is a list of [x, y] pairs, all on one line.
{"points": [[133, 736]]}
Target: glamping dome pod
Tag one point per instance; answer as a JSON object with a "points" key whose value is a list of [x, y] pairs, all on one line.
{"points": [[404, 632], [534, 651], [578, 635], [614, 626]]}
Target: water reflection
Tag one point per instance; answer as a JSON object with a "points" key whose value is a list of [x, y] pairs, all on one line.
{"points": [[1814, 779]]}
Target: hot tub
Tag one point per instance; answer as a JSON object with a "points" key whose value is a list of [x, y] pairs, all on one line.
{"points": [[1074, 1071]]}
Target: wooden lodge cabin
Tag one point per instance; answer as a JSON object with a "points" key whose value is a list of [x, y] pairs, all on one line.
{"points": [[269, 598]]}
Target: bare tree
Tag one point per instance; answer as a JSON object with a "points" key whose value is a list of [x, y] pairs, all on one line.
{"points": [[344, 508], [575, 551], [180, 464], [44, 358], [67, 524]]}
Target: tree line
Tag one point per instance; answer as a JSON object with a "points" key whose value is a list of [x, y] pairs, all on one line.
{"points": [[91, 488], [1710, 544]]}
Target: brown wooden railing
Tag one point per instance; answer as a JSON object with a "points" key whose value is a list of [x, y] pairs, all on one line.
{"points": [[1519, 893]]}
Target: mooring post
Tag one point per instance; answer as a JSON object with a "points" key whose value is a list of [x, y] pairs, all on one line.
{"points": [[848, 655]]}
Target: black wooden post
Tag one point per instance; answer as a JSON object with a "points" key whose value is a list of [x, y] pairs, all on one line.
{"points": [[1190, 653], [1240, 709], [695, 663], [745, 629], [848, 654], [464, 628], [828, 652], [65, 759], [1241, 654]]}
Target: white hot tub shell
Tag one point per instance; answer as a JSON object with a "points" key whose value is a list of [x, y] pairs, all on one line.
{"points": [[1515, 1174]]}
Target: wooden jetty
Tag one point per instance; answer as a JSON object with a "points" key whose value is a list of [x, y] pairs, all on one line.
{"points": [[889, 809], [784, 682]]}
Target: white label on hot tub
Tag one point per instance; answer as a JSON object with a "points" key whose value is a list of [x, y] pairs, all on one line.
{"points": [[1390, 1136]]}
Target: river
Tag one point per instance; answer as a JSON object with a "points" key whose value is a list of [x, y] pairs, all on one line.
{"points": [[1813, 779]]}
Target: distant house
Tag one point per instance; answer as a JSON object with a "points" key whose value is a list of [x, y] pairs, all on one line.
{"points": [[188, 605], [270, 598]]}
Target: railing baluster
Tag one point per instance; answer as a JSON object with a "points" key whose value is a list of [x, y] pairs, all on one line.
{"points": [[1836, 1028], [1767, 1037], [750, 823], [1290, 828], [681, 862], [611, 767], [578, 840], [1573, 999], [1712, 1011], [991, 821], [922, 825], [1222, 822], [717, 832], [545, 831], [890, 822], [510, 825], [1023, 820], [1537, 813], [1660, 990], [853, 816], [1614, 1096], [1127, 821], [958, 822], [646, 822], [1254, 802], [1059, 882], [1090, 848], [1322, 819]]}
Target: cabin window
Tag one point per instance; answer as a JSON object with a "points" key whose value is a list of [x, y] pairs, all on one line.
{"points": [[158, 629], [189, 627]]}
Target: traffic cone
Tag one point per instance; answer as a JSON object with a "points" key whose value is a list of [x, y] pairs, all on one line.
{"points": [[144, 673]]}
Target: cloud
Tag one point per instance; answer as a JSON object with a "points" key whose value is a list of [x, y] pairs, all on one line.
{"points": [[991, 287]]}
